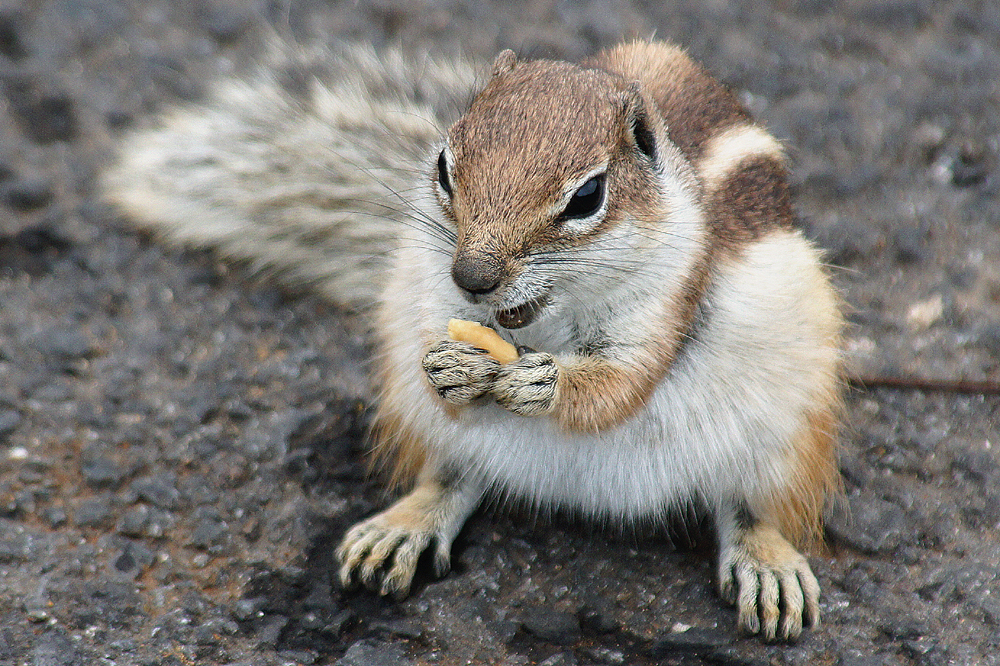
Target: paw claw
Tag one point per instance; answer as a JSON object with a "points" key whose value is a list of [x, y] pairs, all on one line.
{"points": [[383, 556], [792, 599], [767, 605], [379, 555], [810, 592], [746, 600], [727, 585], [442, 560], [383, 551], [353, 551], [776, 594], [380, 558]]}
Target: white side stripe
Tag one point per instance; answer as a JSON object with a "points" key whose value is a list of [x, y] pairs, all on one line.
{"points": [[725, 151]]}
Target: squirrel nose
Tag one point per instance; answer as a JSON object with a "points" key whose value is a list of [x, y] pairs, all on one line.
{"points": [[477, 274]]}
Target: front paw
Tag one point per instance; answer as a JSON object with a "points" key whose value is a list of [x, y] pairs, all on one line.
{"points": [[459, 372], [770, 583], [529, 385]]}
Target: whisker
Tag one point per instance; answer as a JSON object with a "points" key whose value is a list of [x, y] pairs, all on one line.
{"points": [[611, 265], [420, 223], [412, 211]]}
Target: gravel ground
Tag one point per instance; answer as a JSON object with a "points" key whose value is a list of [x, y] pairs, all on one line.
{"points": [[181, 442]]}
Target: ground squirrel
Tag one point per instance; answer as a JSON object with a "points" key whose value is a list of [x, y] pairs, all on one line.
{"points": [[623, 221]]}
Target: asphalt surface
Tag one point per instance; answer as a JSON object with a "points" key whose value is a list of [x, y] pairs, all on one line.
{"points": [[181, 441]]}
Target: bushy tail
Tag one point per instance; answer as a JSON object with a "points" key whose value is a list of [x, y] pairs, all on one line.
{"points": [[304, 167]]}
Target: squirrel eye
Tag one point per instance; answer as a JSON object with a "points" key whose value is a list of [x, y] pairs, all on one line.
{"points": [[585, 201], [444, 181]]}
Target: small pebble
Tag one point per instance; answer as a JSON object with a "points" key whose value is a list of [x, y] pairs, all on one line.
{"points": [[695, 640]]}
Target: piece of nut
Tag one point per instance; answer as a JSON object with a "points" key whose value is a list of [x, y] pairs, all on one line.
{"points": [[482, 337]]}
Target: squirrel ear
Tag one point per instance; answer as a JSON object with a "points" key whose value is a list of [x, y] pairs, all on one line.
{"points": [[504, 62], [637, 117]]}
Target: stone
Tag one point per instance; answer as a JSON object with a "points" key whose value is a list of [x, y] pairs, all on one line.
{"points": [[978, 466], [210, 530], [12, 32], [696, 640], [893, 14], [604, 655], [54, 516], [111, 601], [102, 472], [373, 653], [870, 524], [552, 626], [54, 648], [969, 168], [270, 633], [903, 629], [596, 616], [63, 343], [911, 245], [9, 420], [247, 609], [48, 117], [159, 490], [225, 21], [134, 521], [94, 512], [860, 659], [28, 194], [401, 628], [133, 560]]}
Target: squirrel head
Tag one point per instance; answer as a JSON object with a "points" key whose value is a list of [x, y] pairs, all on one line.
{"points": [[549, 157]]}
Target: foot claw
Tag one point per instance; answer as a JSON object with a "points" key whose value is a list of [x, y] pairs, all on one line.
{"points": [[771, 584], [442, 559], [767, 604], [382, 558]]}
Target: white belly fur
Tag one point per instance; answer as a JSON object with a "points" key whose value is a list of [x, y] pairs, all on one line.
{"points": [[718, 425]]}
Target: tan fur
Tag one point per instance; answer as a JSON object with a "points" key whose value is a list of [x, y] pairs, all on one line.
{"points": [[768, 546], [491, 199], [428, 517], [412, 512], [813, 475], [596, 395], [813, 478], [693, 104], [396, 446]]}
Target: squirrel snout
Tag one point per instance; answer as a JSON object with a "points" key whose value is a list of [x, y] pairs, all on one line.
{"points": [[477, 274]]}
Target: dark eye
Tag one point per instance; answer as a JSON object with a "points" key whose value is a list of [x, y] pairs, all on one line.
{"points": [[585, 201], [444, 181]]}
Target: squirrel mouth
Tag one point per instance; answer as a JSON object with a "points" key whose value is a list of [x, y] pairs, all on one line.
{"points": [[522, 315]]}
